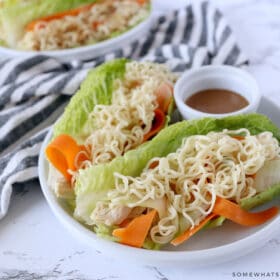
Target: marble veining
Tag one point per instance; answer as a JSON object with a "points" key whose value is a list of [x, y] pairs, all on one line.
{"points": [[34, 245], [158, 273], [54, 274]]}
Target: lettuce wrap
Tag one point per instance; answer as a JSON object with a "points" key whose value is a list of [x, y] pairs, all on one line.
{"points": [[16, 14], [116, 109], [20, 20], [93, 183], [96, 89]]}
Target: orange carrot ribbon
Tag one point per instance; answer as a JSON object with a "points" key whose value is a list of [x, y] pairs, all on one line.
{"points": [[190, 232], [62, 153], [164, 94], [235, 213], [135, 233], [158, 124]]}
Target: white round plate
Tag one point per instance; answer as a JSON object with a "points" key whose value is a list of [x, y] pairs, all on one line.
{"points": [[90, 51], [207, 247]]}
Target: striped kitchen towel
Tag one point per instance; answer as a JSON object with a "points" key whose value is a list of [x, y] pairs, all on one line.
{"points": [[34, 90]]}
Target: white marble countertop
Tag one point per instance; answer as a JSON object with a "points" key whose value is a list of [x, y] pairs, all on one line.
{"points": [[34, 245]]}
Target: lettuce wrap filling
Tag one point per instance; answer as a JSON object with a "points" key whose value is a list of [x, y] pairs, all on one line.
{"points": [[103, 192], [120, 105], [52, 25], [16, 14]]}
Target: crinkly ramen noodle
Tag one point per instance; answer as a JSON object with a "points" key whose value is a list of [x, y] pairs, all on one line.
{"points": [[188, 180]]}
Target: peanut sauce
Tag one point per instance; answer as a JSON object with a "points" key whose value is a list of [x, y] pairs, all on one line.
{"points": [[216, 101]]}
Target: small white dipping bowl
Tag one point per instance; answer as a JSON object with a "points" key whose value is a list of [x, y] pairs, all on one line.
{"points": [[216, 77]]}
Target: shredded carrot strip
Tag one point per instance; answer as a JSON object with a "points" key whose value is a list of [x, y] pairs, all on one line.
{"points": [[62, 152], [154, 164], [125, 222], [95, 24], [158, 124], [141, 2], [135, 233], [164, 94], [235, 213], [238, 137], [188, 233]]}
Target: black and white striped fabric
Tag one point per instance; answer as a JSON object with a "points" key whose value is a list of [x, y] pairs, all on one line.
{"points": [[34, 90]]}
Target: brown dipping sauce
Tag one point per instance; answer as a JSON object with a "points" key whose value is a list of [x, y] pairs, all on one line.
{"points": [[216, 101]]}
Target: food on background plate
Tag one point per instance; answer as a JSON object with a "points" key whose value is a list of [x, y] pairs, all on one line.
{"points": [[193, 174], [120, 105], [46, 25]]}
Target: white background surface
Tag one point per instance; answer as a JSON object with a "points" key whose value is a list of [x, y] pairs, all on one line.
{"points": [[34, 245]]}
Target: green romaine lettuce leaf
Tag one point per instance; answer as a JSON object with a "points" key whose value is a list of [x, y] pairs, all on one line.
{"points": [[217, 222], [97, 180], [261, 198], [151, 245], [2, 43], [105, 232], [97, 88], [16, 14]]}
